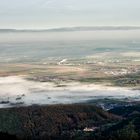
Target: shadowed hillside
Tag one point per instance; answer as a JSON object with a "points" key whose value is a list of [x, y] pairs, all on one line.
{"points": [[52, 122]]}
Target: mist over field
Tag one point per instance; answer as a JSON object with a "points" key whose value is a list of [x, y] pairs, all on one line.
{"points": [[21, 91], [56, 55], [39, 46]]}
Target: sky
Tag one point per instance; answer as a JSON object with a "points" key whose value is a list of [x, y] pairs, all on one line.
{"points": [[44, 14]]}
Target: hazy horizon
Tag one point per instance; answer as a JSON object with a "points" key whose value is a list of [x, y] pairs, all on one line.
{"points": [[75, 28], [46, 14]]}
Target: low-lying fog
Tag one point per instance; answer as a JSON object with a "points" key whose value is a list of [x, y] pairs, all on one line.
{"points": [[17, 90]]}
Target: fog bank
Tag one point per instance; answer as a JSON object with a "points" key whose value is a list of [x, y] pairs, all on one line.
{"points": [[17, 90]]}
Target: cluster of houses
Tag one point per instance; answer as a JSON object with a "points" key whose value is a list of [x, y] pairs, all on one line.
{"points": [[90, 129]]}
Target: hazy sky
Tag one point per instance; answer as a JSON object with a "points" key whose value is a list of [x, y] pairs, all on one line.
{"points": [[65, 13]]}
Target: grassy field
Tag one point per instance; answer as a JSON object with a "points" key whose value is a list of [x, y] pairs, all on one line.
{"points": [[108, 72]]}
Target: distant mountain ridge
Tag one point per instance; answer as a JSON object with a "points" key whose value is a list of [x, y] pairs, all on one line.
{"points": [[84, 28]]}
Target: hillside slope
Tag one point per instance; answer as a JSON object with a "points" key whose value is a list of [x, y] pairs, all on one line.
{"points": [[51, 122]]}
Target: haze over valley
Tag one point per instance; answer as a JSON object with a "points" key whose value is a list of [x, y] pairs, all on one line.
{"points": [[50, 67]]}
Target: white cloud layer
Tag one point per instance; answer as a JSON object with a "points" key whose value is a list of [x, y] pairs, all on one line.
{"points": [[48, 93]]}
